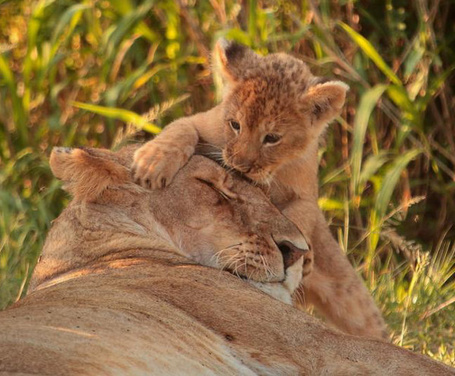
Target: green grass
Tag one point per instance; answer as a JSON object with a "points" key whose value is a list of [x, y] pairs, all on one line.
{"points": [[86, 72]]}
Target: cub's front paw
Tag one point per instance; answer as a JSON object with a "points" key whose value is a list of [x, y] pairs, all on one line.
{"points": [[155, 165]]}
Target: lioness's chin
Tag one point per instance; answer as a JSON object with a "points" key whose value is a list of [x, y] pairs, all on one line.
{"points": [[275, 290], [283, 291]]}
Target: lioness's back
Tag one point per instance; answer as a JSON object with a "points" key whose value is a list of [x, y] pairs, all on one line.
{"points": [[142, 314]]}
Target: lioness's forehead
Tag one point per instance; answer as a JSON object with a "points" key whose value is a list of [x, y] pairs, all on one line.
{"points": [[200, 166]]}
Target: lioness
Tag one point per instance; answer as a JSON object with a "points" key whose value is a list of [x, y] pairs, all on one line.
{"points": [[115, 295]]}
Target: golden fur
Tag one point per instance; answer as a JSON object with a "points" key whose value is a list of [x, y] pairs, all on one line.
{"points": [[113, 294], [268, 127]]}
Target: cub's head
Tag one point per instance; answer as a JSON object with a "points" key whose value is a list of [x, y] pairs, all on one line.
{"points": [[274, 108]]}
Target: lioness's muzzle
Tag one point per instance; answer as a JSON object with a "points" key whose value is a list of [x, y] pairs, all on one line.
{"points": [[291, 252]]}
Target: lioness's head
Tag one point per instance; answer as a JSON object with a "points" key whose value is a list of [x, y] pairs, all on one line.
{"points": [[207, 215], [274, 108]]}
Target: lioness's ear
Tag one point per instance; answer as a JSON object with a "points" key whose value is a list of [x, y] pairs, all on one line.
{"points": [[86, 173], [324, 101], [234, 60]]}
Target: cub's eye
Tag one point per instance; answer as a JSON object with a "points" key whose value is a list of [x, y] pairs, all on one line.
{"points": [[234, 125], [271, 138]]}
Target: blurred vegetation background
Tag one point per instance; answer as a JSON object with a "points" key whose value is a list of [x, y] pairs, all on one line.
{"points": [[92, 72]]}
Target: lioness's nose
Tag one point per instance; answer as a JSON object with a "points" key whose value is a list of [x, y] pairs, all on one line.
{"points": [[291, 253]]}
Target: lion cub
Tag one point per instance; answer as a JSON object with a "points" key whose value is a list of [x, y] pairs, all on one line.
{"points": [[268, 127]]}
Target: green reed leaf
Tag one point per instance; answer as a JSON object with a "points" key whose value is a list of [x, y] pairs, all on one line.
{"points": [[367, 104], [371, 52], [119, 114]]}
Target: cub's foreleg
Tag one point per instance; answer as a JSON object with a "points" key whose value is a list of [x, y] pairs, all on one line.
{"points": [[157, 161]]}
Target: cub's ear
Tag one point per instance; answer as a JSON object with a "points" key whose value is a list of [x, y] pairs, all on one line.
{"points": [[86, 173], [324, 101], [235, 60]]}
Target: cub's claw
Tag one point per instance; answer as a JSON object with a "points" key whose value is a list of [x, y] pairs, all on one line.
{"points": [[154, 167]]}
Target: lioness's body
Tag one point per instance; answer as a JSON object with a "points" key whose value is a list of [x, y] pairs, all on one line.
{"points": [[151, 313]]}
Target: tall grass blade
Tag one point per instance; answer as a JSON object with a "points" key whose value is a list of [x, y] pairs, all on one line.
{"points": [[126, 6], [371, 52], [32, 52], [384, 195], [364, 110], [371, 165], [19, 115], [128, 22], [400, 97], [71, 18], [119, 114], [252, 18]]}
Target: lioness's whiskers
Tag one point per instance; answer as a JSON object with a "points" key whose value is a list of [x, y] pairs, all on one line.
{"points": [[232, 246], [270, 271], [264, 263], [250, 275], [217, 256], [236, 267], [231, 261], [299, 295]]}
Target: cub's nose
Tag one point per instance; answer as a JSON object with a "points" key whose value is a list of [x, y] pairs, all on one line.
{"points": [[292, 253]]}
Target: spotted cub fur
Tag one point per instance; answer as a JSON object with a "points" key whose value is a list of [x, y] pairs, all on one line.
{"points": [[268, 127]]}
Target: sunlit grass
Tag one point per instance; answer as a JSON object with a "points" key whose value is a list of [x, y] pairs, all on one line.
{"points": [[80, 73]]}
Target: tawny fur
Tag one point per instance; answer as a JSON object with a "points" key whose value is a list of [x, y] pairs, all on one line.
{"points": [[274, 95], [114, 296]]}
